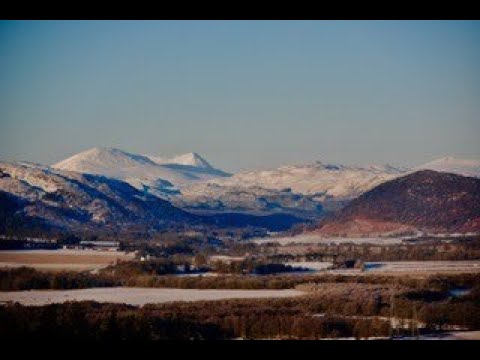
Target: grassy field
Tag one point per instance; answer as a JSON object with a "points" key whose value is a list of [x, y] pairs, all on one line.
{"points": [[59, 260]]}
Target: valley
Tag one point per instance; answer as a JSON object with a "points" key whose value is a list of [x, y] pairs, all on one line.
{"points": [[109, 232], [238, 180]]}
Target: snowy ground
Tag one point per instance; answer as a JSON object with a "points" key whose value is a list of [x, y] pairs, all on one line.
{"points": [[423, 266], [400, 268], [137, 296], [311, 265], [317, 239], [451, 335], [226, 258]]}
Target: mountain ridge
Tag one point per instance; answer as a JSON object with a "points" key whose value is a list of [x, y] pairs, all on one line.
{"points": [[160, 179], [62, 200], [191, 182], [450, 164], [425, 200]]}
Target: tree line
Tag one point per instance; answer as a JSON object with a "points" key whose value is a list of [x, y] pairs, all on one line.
{"points": [[338, 310], [134, 274]]}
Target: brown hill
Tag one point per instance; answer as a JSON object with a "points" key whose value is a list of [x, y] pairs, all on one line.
{"points": [[424, 200]]}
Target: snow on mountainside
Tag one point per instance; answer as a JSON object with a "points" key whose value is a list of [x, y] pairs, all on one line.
{"points": [[334, 185], [190, 182], [207, 197], [325, 181], [160, 177], [36, 197], [64, 199], [184, 181], [466, 167]]}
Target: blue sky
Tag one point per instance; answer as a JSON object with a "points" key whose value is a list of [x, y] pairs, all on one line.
{"points": [[243, 94]]}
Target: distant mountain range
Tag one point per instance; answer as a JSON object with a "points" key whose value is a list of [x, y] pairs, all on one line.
{"points": [[185, 181], [191, 182], [320, 181], [107, 187], [332, 185], [425, 200], [39, 197], [340, 181]]}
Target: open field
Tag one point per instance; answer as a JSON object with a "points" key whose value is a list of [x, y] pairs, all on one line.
{"points": [[455, 335], [317, 239], [75, 260], [449, 335], [136, 296], [311, 265], [226, 258], [452, 335], [423, 266], [401, 268]]}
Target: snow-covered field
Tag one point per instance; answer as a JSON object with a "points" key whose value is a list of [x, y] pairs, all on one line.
{"points": [[226, 258], [317, 239], [423, 266], [452, 335], [311, 265], [401, 268], [137, 296]]}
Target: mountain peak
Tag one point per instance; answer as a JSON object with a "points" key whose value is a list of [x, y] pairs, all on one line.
{"points": [[188, 159], [100, 156], [450, 164], [148, 173], [191, 159]]}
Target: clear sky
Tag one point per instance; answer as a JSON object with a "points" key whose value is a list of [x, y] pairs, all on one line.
{"points": [[243, 94]]}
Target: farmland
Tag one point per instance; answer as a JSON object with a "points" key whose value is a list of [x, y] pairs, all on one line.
{"points": [[137, 296], [309, 239], [58, 260]]}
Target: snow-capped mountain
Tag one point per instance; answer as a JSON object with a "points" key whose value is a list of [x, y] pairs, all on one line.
{"points": [[189, 159], [64, 199], [184, 180], [324, 181], [466, 167], [190, 182], [152, 174], [39, 198]]}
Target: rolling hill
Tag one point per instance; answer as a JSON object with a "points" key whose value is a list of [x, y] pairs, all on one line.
{"points": [[424, 200]]}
